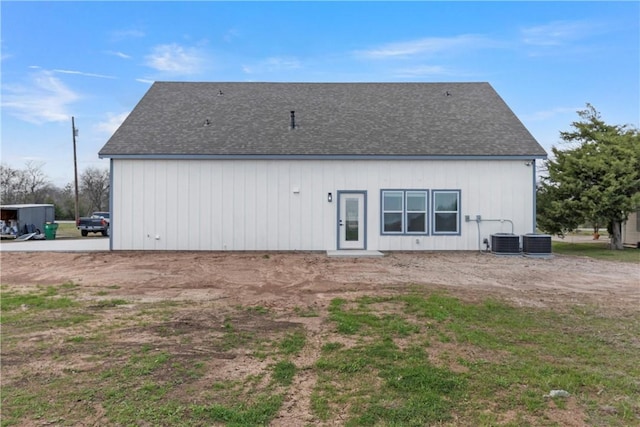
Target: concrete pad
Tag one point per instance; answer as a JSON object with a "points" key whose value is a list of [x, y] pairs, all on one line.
{"points": [[354, 253], [89, 244]]}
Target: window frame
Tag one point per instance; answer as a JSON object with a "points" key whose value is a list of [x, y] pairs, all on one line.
{"points": [[404, 212], [458, 194]]}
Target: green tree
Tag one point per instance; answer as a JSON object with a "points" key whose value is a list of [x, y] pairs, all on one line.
{"points": [[553, 215], [596, 179]]}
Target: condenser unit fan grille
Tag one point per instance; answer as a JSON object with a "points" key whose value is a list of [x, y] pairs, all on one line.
{"points": [[536, 244], [503, 243]]}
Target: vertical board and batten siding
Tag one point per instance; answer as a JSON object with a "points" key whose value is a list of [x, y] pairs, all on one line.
{"points": [[253, 205]]}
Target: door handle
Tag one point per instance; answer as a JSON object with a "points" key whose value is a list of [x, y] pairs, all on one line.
{"points": [[340, 223]]}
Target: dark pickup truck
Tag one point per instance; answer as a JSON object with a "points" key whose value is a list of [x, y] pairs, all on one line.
{"points": [[98, 222]]}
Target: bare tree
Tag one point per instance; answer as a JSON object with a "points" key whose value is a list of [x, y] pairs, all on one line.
{"points": [[94, 186], [36, 182], [29, 185]]}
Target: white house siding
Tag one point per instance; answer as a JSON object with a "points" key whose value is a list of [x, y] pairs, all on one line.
{"points": [[253, 204]]}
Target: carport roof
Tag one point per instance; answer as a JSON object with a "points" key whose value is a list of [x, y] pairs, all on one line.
{"points": [[333, 120]]}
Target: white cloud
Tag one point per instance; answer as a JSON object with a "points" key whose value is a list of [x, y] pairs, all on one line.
{"points": [[118, 54], [81, 73], [44, 99], [231, 35], [4, 55], [426, 46], [145, 81], [556, 33], [273, 64], [112, 123], [118, 35], [176, 59]]}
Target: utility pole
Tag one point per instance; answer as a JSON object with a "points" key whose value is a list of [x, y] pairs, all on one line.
{"points": [[75, 164]]}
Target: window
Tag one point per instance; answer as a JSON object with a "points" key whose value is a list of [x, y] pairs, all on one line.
{"points": [[446, 211], [404, 211]]}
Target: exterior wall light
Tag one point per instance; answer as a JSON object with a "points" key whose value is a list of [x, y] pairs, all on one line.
{"points": [[329, 197]]}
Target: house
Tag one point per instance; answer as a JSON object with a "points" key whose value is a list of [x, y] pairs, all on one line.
{"points": [[631, 230], [320, 166]]}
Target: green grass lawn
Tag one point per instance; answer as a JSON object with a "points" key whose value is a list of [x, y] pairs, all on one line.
{"points": [[597, 250], [67, 230], [413, 358]]}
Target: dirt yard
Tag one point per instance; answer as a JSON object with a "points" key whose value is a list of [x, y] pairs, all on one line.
{"points": [[281, 282], [296, 279]]}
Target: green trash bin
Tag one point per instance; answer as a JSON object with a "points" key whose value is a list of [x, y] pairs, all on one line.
{"points": [[50, 229]]}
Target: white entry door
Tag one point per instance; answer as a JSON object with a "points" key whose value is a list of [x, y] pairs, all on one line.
{"points": [[351, 220]]}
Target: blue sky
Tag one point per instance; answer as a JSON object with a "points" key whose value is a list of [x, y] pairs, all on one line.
{"points": [[95, 60]]}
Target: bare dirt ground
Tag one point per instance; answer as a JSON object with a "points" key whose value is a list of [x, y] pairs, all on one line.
{"points": [[284, 281], [298, 279]]}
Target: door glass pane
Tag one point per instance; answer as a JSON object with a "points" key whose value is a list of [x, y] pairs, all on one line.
{"points": [[351, 220]]}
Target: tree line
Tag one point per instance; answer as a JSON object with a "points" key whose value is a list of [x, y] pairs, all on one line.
{"points": [[30, 184]]}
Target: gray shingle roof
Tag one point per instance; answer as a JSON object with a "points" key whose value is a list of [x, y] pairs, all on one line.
{"points": [[332, 119]]}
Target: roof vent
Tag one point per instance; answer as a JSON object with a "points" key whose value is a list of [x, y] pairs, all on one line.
{"points": [[220, 93], [207, 122], [293, 120]]}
